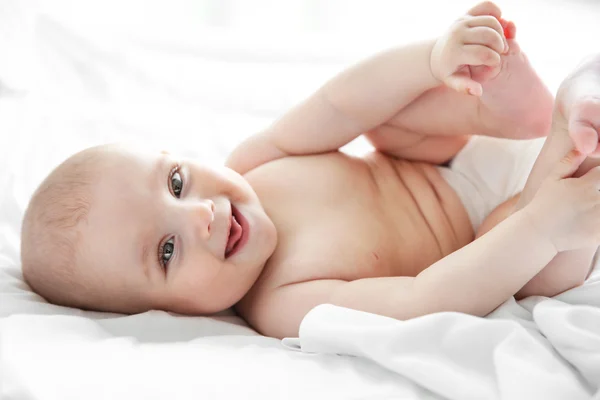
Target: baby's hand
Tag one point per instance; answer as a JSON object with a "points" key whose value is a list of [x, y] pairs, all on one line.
{"points": [[474, 41], [567, 210]]}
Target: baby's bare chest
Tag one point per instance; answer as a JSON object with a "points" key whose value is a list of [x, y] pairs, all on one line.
{"points": [[345, 218]]}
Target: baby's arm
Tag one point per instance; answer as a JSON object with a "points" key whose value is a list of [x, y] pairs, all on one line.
{"points": [[351, 103], [475, 279], [371, 92]]}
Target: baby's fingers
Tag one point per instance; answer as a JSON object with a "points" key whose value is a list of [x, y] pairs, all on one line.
{"points": [[567, 166], [584, 125], [491, 23], [474, 54], [482, 35], [462, 83], [584, 136], [486, 8]]}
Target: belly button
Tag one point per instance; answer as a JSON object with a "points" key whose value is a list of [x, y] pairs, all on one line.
{"points": [[375, 256]]}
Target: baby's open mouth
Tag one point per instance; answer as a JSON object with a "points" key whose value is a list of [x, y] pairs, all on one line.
{"points": [[234, 235]]}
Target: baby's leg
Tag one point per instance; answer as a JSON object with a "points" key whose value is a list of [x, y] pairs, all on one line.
{"points": [[577, 115], [515, 104]]}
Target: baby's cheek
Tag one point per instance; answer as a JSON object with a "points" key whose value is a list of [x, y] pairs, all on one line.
{"points": [[198, 275]]}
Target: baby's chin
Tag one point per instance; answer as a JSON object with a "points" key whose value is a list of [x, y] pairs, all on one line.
{"points": [[261, 240]]}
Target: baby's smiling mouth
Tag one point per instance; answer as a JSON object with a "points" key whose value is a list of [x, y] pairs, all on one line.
{"points": [[234, 234]]}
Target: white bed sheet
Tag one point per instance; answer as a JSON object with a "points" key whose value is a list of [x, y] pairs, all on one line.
{"points": [[194, 77], [538, 348]]}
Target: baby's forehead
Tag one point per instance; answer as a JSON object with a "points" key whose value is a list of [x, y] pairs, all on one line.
{"points": [[131, 152], [99, 159], [114, 158], [130, 177]]}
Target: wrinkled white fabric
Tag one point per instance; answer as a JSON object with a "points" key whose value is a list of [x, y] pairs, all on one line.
{"points": [[538, 348]]}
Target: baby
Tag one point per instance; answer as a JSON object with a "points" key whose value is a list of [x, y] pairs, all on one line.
{"points": [[290, 222]]}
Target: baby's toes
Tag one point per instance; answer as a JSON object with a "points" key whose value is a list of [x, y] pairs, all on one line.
{"points": [[509, 27]]}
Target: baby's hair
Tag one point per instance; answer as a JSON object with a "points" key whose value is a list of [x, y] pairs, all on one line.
{"points": [[50, 235]]}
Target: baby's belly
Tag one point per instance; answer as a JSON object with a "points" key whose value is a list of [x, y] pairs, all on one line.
{"points": [[426, 216], [438, 203], [347, 218]]}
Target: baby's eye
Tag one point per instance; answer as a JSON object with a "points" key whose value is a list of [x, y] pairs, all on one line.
{"points": [[176, 183], [166, 252]]}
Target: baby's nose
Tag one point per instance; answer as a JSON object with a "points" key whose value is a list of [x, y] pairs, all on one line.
{"points": [[203, 214]]}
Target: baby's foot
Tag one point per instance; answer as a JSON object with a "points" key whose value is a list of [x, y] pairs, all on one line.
{"points": [[515, 103], [578, 106]]}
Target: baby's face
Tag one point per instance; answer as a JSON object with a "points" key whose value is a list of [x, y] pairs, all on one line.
{"points": [[173, 234]]}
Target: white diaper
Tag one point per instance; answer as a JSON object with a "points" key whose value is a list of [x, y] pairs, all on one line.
{"points": [[489, 171]]}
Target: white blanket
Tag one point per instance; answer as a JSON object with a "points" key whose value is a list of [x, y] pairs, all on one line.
{"points": [[539, 349], [196, 77]]}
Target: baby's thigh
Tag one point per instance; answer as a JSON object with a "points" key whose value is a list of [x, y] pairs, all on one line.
{"points": [[499, 214], [567, 270]]}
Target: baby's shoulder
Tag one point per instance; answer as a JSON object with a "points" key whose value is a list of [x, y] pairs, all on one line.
{"points": [[277, 311]]}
